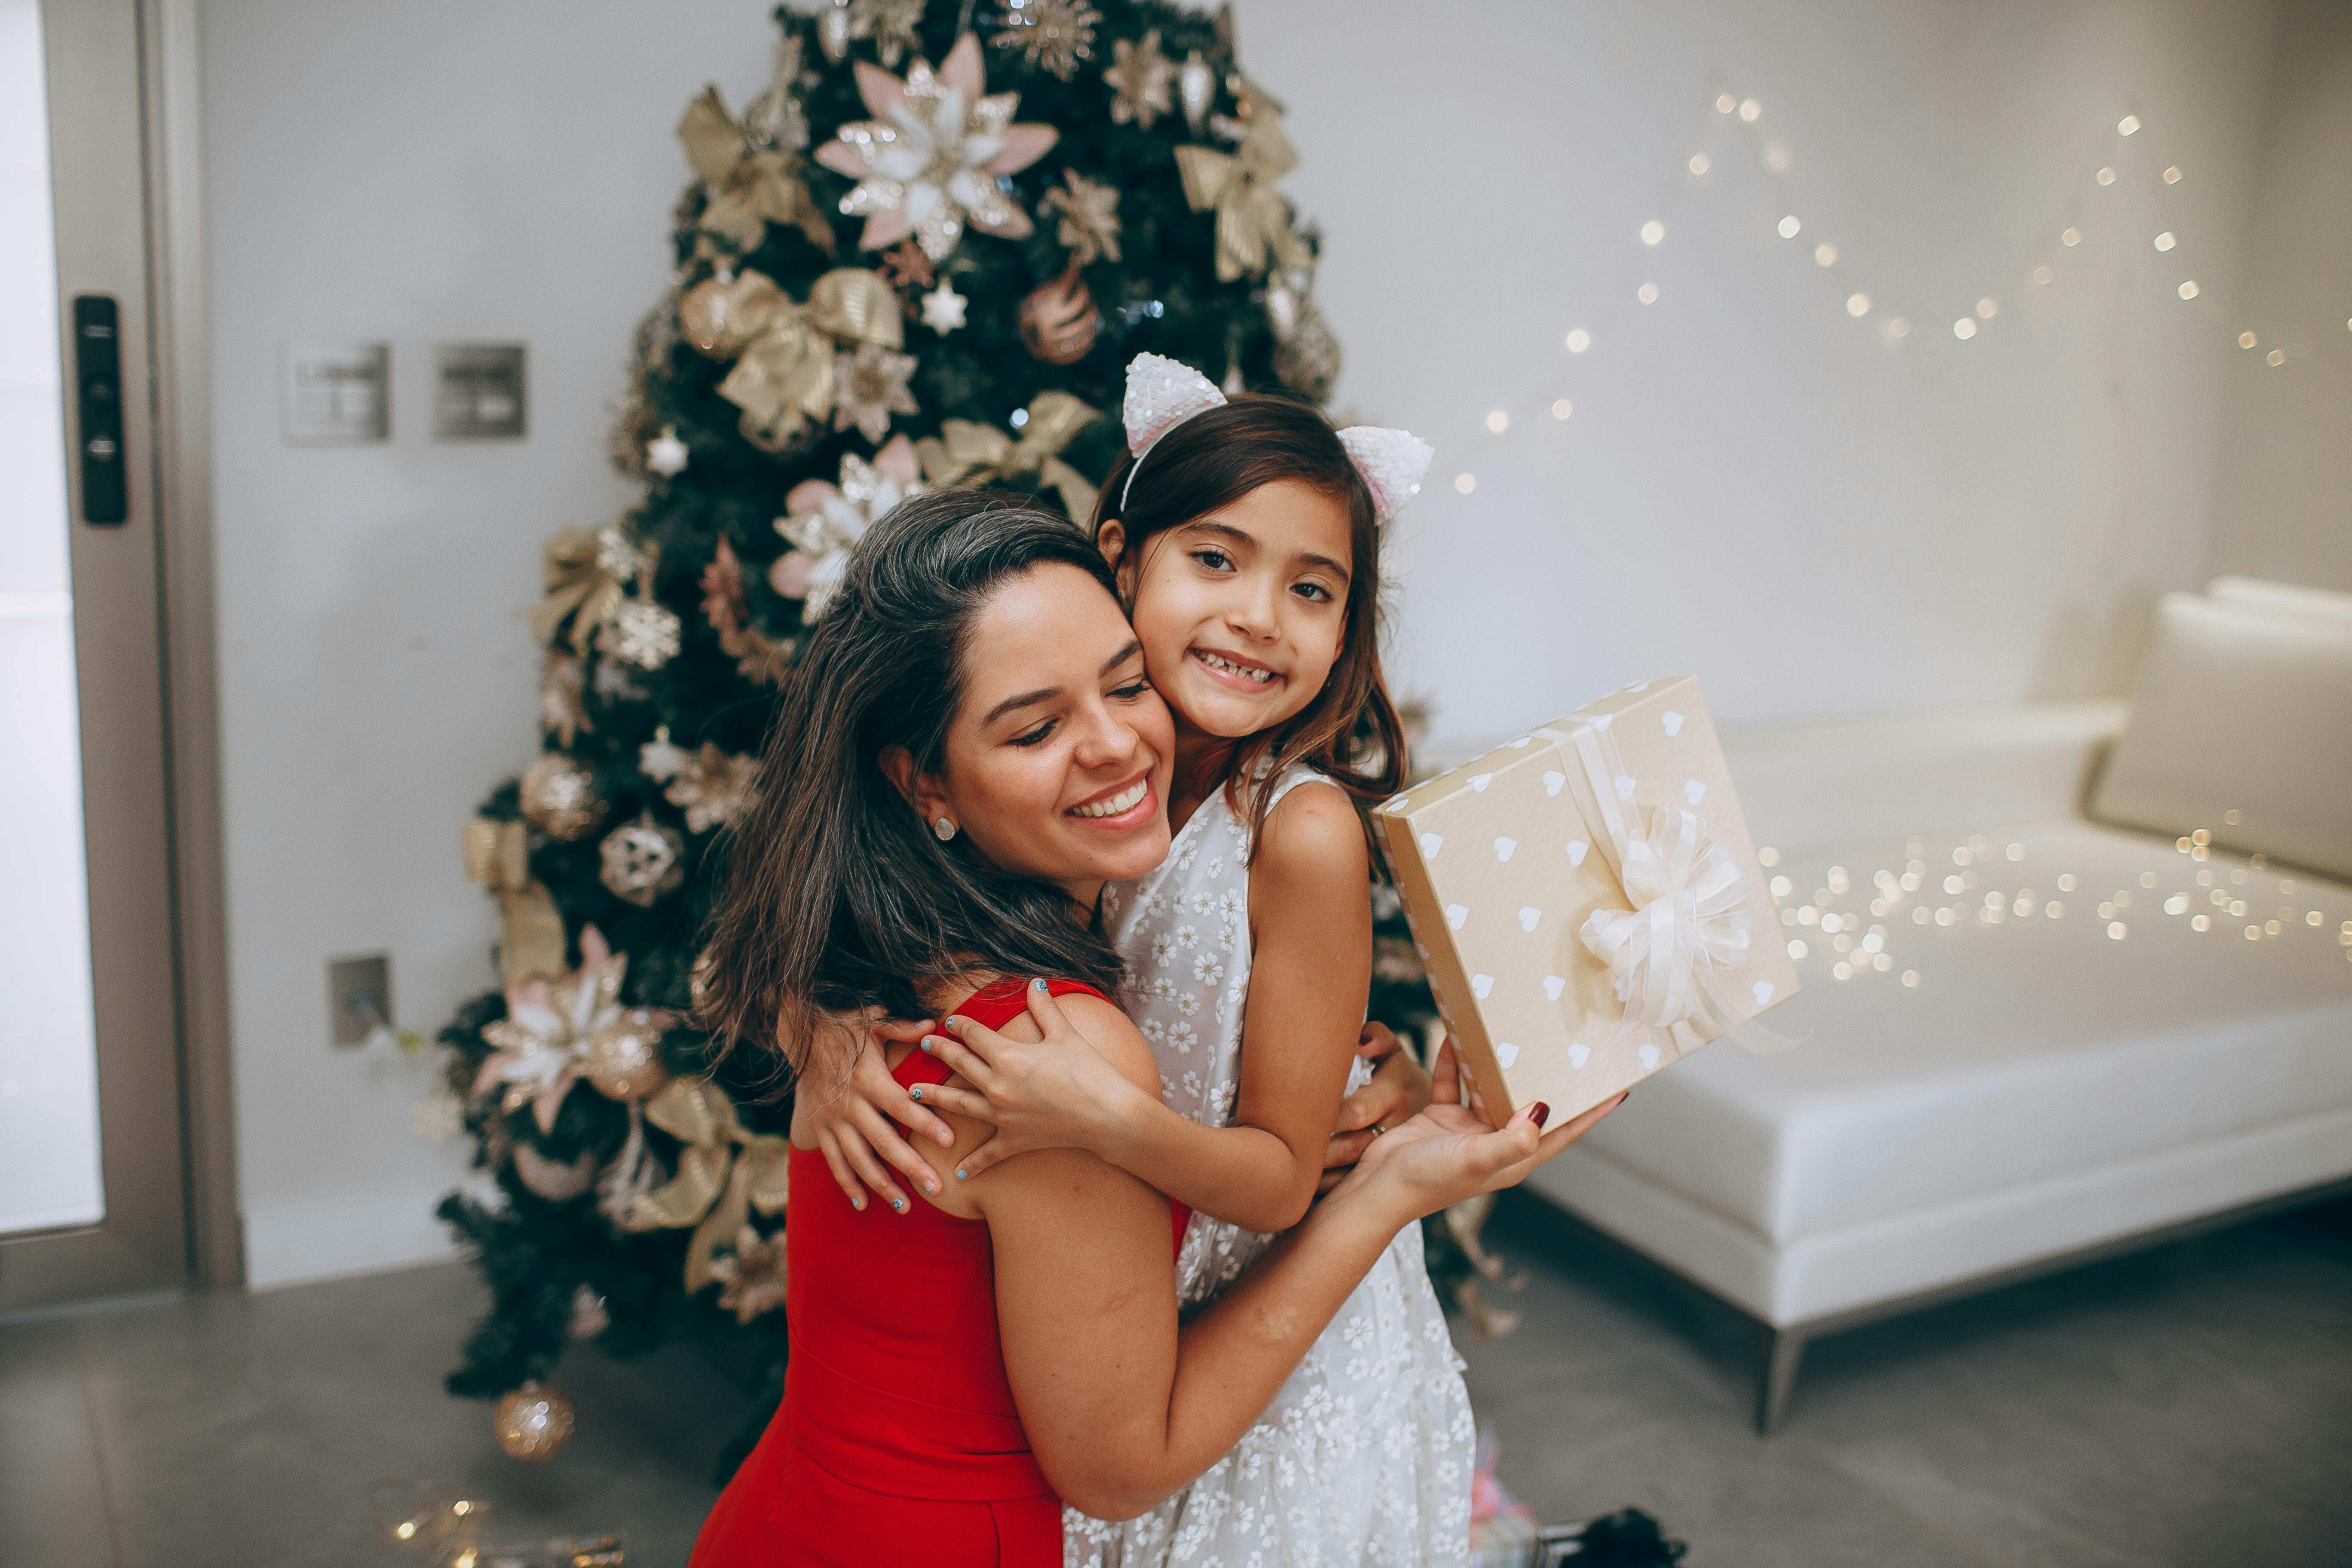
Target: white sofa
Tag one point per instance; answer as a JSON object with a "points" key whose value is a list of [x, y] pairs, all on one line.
{"points": [[2009, 1092]]}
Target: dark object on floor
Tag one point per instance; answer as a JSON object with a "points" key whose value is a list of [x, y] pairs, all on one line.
{"points": [[1627, 1539]]}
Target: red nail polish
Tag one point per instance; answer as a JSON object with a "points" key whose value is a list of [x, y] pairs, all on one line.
{"points": [[1540, 1114]]}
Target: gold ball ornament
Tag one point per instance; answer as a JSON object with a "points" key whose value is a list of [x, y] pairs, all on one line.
{"points": [[640, 861], [559, 796], [532, 1422], [1058, 320], [624, 1059]]}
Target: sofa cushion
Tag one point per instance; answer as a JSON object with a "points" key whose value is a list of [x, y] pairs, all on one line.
{"points": [[2036, 1054], [2241, 725]]}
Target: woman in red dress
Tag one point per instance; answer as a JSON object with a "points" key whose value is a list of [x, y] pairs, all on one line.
{"points": [[968, 751]]}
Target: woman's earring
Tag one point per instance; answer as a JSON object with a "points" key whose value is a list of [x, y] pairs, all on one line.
{"points": [[943, 829]]}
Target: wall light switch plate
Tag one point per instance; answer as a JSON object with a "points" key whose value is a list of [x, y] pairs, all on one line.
{"points": [[336, 394], [359, 997], [477, 391]]}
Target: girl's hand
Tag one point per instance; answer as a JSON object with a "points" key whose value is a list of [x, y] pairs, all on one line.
{"points": [[1053, 1093], [1446, 1154], [854, 1129], [1400, 1088]]}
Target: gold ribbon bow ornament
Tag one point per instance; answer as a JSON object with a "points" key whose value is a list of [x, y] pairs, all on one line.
{"points": [[748, 186], [530, 938], [723, 1172], [784, 375], [587, 575], [965, 451], [1252, 221]]}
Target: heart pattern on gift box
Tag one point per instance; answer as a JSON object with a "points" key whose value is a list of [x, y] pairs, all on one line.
{"points": [[1576, 850], [1624, 787], [1694, 790], [1506, 1054], [1480, 985], [1602, 723], [1552, 781], [1430, 843], [1578, 1053], [1479, 782], [1763, 993], [1503, 847], [1392, 802], [1521, 742], [1528, 915], [1454, 915], [1553, 986], [1650, 1056], [1673, 722]]}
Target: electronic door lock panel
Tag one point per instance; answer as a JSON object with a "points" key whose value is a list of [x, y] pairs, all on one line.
{"points": [[98, 382]]}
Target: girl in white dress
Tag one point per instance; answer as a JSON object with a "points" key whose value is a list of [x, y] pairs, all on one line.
{"points": [[1245, 536]]}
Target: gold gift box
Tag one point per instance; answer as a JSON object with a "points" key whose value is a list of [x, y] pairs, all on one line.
{"points": [[1504, 861]]}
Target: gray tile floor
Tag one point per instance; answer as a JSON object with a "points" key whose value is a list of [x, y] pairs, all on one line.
{"points": [[2188, 1405]]}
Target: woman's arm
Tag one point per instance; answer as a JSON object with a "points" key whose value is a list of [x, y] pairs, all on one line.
{"points": [[1311, 967], [1121, 1410]]}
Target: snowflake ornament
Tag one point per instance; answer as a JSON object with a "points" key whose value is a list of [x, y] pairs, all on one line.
{"points": [[1051, 35], [870, 385], [825, 520], [927, 162], [1142, 79]]}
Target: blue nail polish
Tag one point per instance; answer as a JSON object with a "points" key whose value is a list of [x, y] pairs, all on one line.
{"points": [[898, 1203], [959, 1175], [915, 1093], [931, 1046], [1037, 985]]}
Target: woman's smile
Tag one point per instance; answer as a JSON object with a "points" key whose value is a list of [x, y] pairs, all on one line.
{"points": [[1122, 806]]}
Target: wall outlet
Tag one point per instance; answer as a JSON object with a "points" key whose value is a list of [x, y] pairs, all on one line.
{"points": [[359, 997], [336, 394]]}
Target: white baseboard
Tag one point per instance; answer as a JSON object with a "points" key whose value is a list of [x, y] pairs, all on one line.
{"points": [[297, 1244]]}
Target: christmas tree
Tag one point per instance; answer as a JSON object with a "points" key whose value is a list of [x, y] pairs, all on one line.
{"points": [[923, 256]]}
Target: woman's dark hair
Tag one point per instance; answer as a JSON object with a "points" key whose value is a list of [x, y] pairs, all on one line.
{"points": [[836, 895], [1350, 731]]}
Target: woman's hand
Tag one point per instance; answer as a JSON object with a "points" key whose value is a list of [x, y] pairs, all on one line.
{"points": [[1400, 1088], [1055, 1093], [853, 1128], [1446, 1154]]}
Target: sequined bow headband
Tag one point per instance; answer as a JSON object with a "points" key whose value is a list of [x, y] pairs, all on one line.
{"points": [[1163, 393]]}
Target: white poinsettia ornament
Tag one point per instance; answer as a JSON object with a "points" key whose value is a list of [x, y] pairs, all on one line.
{"points": [[927, 162], [825, 520], [543, 1040]]}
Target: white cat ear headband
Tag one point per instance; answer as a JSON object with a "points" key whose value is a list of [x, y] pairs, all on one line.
{"points": [[1163, 393]]}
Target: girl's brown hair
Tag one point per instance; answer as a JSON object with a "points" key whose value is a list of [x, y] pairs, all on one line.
{"points": [[838, 898], [1350, 731]]}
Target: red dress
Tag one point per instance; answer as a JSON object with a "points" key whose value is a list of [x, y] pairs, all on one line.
{"points": [[897, 1440]]}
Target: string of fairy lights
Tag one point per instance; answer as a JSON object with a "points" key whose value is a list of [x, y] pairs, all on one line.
{"points": [[2122, 164], [1855, 925]]}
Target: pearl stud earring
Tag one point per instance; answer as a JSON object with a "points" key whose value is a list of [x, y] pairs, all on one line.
{"points": [[943, 829]]}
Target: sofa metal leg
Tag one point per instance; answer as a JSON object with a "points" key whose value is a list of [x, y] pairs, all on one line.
{"points": [[1778, 1352]]}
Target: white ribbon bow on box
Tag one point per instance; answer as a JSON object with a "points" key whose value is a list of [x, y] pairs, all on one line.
{"points": [[1689, 915]]}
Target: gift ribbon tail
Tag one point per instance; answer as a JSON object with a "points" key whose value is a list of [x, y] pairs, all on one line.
{"points": [[1736, 1026]]}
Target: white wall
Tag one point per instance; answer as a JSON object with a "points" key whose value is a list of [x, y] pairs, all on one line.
{"points": [[418, 172], [1753, 488], [2284, 504]]}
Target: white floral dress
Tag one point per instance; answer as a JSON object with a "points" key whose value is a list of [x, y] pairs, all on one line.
{"points": [[1364, 1456]]}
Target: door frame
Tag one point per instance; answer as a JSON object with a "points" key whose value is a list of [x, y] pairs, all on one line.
{"points": [[125, 155], [179, 309]]}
